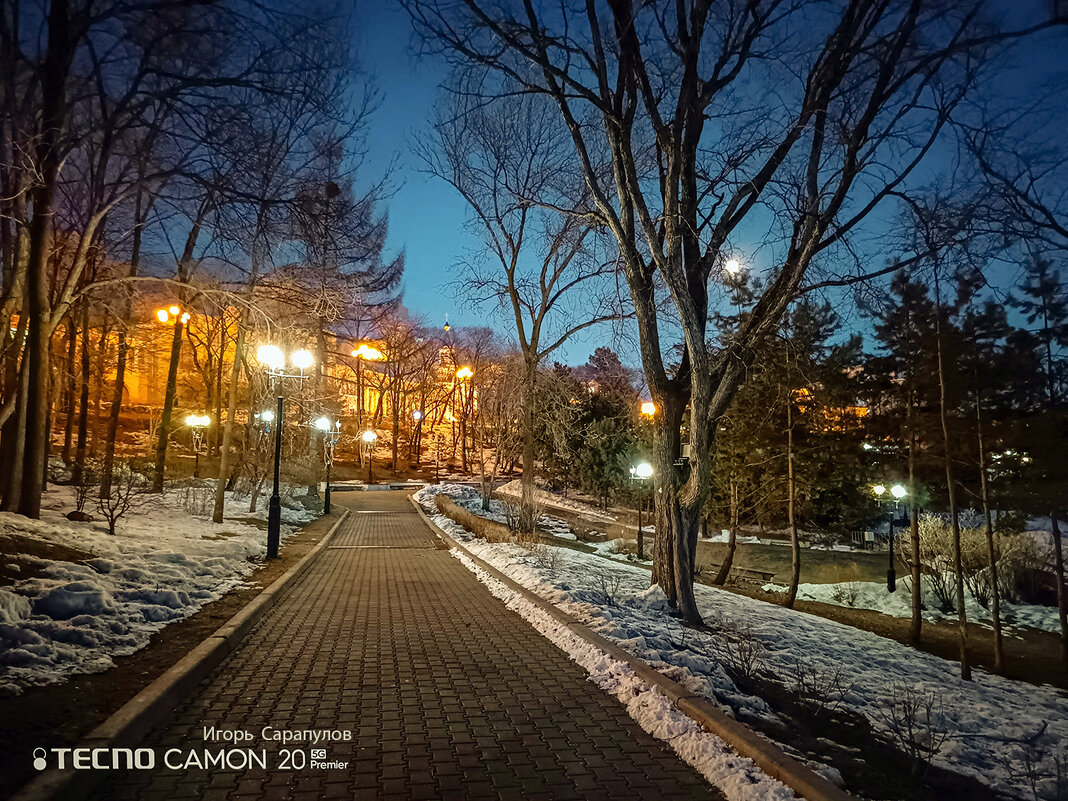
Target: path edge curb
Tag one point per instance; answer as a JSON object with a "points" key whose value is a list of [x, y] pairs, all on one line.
{"points": [[137, 716], [775, 762]]}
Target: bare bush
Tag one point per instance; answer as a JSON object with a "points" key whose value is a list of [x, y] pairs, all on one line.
{"points": [[128, 491], [916, 724], [846, 588], [197, 501], [608, 586], [745, 652], [546, 556], [822, 691]]}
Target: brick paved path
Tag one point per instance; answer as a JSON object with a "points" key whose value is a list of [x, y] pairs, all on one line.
{"points": [[447, 693]]}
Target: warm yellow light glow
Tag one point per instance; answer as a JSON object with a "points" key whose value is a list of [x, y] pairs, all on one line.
{"points": [[369, 436], [417, 415], [271, 356], [185, 318], [267, 416], [323, 423], [302, 359], [162, 315], [878, 489], [464, 373], [198, 420], [648, 408], [369, 352]]}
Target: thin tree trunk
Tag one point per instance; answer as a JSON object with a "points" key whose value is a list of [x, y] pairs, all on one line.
{"points": [[995, 602], [83, 402], [228, 427], [916, 626], [951, 491], [732, 538], [527, 483], [795, 542], [68, 393]]}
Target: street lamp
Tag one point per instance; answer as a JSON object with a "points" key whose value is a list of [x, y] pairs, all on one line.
{"points": [[274, 361], [197, 423], [898, 492], [369, 438], [331, 432], [172, 313], [647, 409], [642, 472]]}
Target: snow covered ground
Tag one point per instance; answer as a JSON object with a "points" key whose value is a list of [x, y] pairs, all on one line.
{"points": [[514, 489], [873, 595], [984, 721], [162, 565]]}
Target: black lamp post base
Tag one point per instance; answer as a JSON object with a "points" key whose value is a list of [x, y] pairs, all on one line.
{"points": [[891, 580], [274, 526]]}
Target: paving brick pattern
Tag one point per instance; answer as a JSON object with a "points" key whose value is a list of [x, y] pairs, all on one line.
{"points": [[447, 693]]}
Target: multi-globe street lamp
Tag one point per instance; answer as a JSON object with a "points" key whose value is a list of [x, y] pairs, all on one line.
{"points": [[274, 360], [897, 492], [197, 422], [641, 473], [367, 445], [331, 432]]}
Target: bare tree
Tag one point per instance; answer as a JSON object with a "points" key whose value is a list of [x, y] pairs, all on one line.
{"points": [[544, 271], [681, 149]]}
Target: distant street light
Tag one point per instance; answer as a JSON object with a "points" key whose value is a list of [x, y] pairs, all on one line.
{"points": [[273, 360], [641, 472], [898, 492], [464, 373], [331, 431], [732, 267], [369, 439], [648, 408], [197, 423]]}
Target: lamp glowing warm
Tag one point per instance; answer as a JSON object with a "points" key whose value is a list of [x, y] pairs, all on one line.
{"points": [[323, 423], [267, 416], [369, 436], [162, 315], [369, 352], [648, 408], [302, 359], [198, 420], [175, 311], [878, 489], [271, 356], [464, 373], [417, 415]]}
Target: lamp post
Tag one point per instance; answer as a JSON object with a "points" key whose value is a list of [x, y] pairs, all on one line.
{"points": [[331, 431], [898, 492], [274, 361], [370, 353], [642, 472], [417, 416], [369, 438], [197, 422]]}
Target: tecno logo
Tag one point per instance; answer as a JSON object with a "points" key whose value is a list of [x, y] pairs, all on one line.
{"points": [[95, 758]]}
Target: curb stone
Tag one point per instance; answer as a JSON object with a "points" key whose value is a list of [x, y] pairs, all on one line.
{"points": [[127, 726], [771, 759]]}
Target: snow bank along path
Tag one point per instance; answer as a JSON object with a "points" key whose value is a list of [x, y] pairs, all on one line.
{"points": [[161, 566], [986, 719], [652, 701]]}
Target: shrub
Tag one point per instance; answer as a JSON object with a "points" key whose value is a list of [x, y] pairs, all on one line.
{"points": [[846, 588], [479, 526]]}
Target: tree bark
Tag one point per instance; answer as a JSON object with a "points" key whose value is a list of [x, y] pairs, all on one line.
{"points": [[1062, 592], [527, 482], [992, 558], [916, 626], [732, 538], [795, 542], [68, 390], [951, 490], [78, 472]]}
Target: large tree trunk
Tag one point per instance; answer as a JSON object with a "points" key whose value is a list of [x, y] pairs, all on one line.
{"points": [[1062, 592], [53, 111]]}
